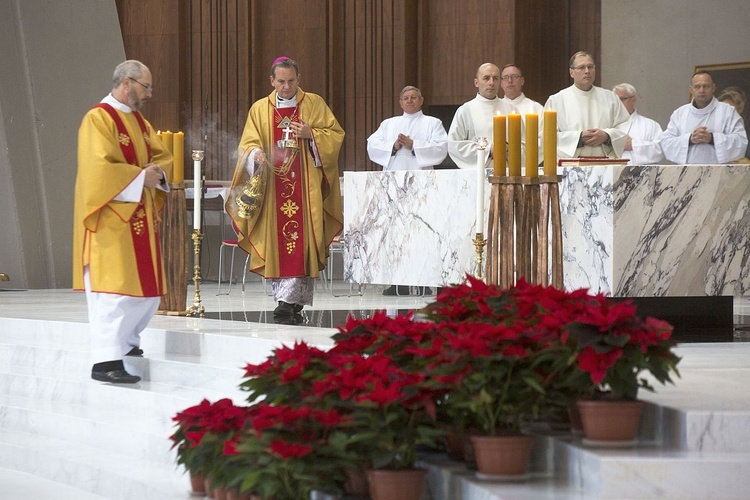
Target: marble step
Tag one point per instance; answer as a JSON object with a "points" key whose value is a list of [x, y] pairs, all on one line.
{"points": [[14, 482], [99, 471]]}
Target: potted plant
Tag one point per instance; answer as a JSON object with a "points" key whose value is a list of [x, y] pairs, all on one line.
{"points": [[288, 452], [202, 434], [382, 378], [614, 347]]}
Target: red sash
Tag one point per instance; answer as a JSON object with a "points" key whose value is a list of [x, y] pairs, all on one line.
{"points": [[290, 220], [150, 279]]}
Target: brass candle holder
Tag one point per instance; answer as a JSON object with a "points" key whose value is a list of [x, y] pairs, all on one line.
{"points": [[197, 310], [479, 243]]}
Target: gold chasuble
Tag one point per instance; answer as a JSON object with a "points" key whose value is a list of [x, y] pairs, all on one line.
{"points": [[288, 237], [118, 240]]}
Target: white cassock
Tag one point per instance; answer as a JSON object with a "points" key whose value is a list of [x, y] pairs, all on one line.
{"points": [[430, 142], [526, 106], [645, 134], [579, 110], [721, 119], [473, 119]]}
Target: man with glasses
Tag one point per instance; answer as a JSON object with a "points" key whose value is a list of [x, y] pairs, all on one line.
{"points": [[704, 131], [591, 121], [474, 118], [642, 143], [120, 188], [512, 82]]}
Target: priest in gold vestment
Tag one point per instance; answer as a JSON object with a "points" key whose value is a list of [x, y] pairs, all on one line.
{"points": [[293, 139], [122, 177]]}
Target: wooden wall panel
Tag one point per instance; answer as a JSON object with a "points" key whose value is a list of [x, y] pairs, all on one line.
{"points": [[460, 37], [585, 31], [542, 47], [211, 58]]}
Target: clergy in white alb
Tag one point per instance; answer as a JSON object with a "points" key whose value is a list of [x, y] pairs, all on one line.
{"points": [[705, 131], [591, 121], [474, 118], [642, 146], [412, 141]]}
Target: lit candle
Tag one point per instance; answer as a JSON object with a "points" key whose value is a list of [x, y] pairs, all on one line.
{"points": [[514, 144], [197, 194], [480, 190], [498, 145], [532, 145], [550, 142], [178, 158]]}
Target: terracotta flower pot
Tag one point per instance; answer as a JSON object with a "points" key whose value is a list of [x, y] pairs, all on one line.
{"points": [[197, 484], [396, 484], [610, 420], [503, 455], [235, 495]]}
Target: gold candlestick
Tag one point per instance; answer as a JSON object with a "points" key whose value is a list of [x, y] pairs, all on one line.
{"points": [[197, 310], [479, 243]]}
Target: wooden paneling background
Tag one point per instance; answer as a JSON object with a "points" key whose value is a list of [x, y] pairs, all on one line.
{"points": [[211, 58]]}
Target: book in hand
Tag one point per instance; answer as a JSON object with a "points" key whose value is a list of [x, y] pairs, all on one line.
{"points": [[591, 161]]}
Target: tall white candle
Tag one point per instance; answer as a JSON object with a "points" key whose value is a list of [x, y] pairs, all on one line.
{"points": [[480, 191], [197, 194]]}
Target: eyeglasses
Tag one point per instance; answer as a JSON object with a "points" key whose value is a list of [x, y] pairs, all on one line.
{"points": [[623, 99], [510, 77], [149, 87], [590, 67]]}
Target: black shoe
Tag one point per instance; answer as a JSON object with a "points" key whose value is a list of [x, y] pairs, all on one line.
{"points": [[297, 308], [396, 290], [135, 352], [284, 309], [115, 377], [294, 319]]}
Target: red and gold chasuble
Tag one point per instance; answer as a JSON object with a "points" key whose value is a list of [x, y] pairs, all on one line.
{"points": [[150, 278], [288, 183]]}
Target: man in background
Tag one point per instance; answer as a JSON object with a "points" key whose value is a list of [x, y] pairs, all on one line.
{"points": [[591, 121], [412, 141], [474, 118], [642, 143], [704, 131]]}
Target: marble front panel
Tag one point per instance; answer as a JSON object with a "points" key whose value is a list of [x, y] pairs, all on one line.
{"points": [[660, 230], [410, 227], [638, 231]]}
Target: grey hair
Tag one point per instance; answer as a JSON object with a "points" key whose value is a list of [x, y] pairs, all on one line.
{"points": [[626, 88], [580, 53], [407, 89], [128, 69]]}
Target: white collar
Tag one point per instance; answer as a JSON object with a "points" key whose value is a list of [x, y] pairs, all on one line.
{"points": [[110, 99]]}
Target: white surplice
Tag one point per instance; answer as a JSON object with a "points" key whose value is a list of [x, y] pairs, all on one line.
{"points": [[721, 119], [645, 134], [579, 110], [473, 119], [430, 142]]}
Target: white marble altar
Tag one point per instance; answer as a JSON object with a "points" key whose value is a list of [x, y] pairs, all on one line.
{"points": [[638, 231], [659, 230], [410, 227]]}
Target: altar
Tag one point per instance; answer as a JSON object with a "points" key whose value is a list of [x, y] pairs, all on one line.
{"points": [[628, 231]]}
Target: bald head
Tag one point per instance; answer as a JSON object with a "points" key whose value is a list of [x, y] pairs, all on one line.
{"points": [[487, 80]]}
